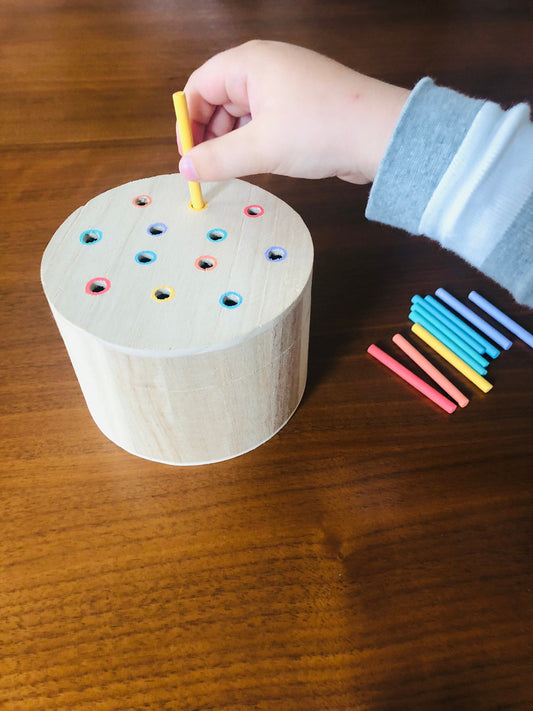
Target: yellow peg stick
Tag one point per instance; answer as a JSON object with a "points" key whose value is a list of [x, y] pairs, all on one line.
{"points": [[184, 128], [451, 357]]}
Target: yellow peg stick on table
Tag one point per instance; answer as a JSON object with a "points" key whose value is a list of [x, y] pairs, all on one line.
{"points": [[184, 128]]}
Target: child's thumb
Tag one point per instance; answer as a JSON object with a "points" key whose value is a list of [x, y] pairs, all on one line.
{"points": [[232, 155]]}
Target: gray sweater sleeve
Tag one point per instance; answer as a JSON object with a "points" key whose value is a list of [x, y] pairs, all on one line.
{"points": [[431, 139]]}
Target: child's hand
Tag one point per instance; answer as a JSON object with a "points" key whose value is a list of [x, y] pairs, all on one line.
{"points": [[268, 107]]}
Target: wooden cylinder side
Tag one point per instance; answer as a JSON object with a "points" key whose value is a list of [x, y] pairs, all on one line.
{"points": [[195, 409]]}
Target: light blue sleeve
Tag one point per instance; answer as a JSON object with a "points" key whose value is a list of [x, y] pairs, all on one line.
{"points": [[430, 167]]}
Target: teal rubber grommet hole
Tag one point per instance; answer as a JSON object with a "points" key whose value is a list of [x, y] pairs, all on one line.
{"points": [[91, 236], [145, 257], [230, 300], [157, 228], [217, 235]]}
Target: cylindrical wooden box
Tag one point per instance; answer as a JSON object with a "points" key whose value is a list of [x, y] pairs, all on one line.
{"points": [[188, 330]]}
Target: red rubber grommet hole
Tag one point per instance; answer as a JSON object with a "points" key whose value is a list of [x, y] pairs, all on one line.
{"points": [[254, 211], [97, 286]]}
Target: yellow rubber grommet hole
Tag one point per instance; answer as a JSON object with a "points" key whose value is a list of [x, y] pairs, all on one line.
{"points": [[163, 293]]}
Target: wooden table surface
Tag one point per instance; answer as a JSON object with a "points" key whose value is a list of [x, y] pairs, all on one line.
{"points": [[376, 554]]}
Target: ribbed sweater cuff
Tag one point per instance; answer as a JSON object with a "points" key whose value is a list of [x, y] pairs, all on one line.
{"points": [[431, 127]]}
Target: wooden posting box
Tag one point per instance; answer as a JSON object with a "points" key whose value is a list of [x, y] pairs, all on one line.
{"points": [[187, 330]]}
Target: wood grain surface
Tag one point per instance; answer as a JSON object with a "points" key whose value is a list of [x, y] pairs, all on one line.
{"points": [[376, 555]]}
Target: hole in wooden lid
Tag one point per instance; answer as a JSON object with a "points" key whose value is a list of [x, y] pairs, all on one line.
{"points": [[90, 236], [254, 211], [146, 257], [230, 300], [163, 293], [217, 235], [99, 285], [158, 228], [275, 254], [142, 200], [205, 263]]}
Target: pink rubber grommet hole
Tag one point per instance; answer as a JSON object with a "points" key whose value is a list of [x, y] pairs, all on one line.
{"points": [[142, 200], [254, 211], [97, 286], [205, 263]]}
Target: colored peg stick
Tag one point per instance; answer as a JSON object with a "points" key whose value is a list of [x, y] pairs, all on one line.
{"points": [[457, 341], [411, 378], [502, 318], [463, 327], [451, 357], [419, 318], [185, 131], [471, 316], [430, 369], [423, 304]]}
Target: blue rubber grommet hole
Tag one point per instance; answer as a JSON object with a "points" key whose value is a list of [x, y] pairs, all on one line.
{"points": [[230, 300], [158, 228], [217, 235], [145, 257], [275, 254], [91, 236]]}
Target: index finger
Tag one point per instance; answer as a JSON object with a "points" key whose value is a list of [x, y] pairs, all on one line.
{"points": [[221, 81]]}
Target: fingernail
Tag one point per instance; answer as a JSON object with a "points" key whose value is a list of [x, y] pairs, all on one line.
{"points": [[187, 169]]}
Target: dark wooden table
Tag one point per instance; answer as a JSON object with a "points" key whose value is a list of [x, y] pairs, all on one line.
{"points": [[376, 554]]}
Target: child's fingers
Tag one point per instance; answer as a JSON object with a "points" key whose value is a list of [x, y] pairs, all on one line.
{"points": [[217, 102], [222, 121], [235, 154], [221, 81]]}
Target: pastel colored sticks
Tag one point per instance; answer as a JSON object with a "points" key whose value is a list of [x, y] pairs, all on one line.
{"points": [[450, 339], [434, 343], [502, 318], [463, 327], [435, 374], [413, 380], [474, 343], [453, 340], [476, 320]]}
